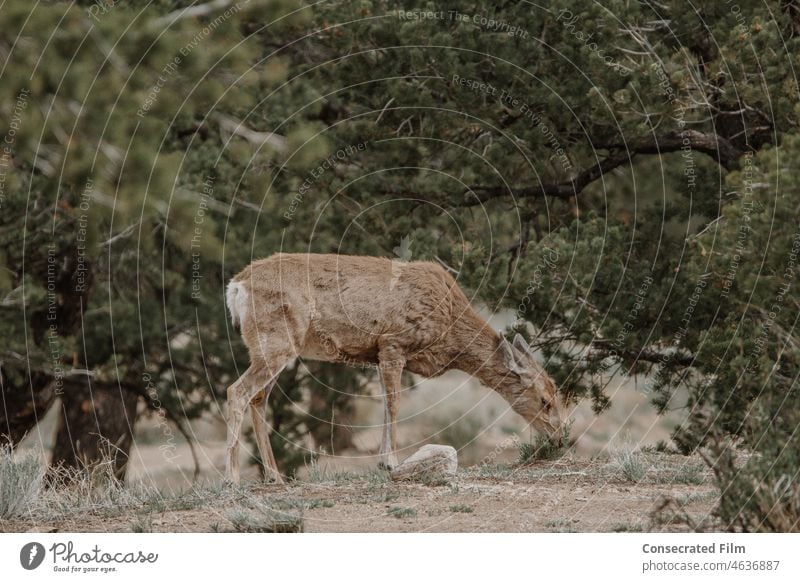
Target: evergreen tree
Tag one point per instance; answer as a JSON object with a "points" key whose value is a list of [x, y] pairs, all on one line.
{"points": [[619, 175]]}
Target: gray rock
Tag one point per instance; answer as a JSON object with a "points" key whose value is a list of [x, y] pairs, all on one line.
{"points": [[429, 463]]}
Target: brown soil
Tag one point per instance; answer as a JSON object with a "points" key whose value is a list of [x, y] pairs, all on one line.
{"points": [[562, 495]]}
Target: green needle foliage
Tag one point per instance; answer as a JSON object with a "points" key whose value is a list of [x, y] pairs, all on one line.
{"points": [[620, 175]]}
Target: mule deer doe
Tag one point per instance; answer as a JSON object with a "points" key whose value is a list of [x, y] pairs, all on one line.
{"points": [[374, 311]]}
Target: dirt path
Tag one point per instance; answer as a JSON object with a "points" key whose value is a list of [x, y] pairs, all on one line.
{"points": [[564, 495]]}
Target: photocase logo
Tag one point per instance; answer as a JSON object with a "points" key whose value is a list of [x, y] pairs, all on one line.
{"points": [[31, 555]]}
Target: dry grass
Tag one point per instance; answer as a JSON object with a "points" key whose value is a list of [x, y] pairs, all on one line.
{"points": [[265, 522], [686, 473], [544, 447], [561, 525], [630, 464], [142, 523], [21, 478], [562, 495], [72, 493], [401, 512], [319, 474]]}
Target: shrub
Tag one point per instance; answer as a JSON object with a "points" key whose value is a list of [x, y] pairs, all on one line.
{"points": [[761, 494]]}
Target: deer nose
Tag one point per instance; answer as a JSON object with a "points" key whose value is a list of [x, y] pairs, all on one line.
{"points": [[555, 419]]}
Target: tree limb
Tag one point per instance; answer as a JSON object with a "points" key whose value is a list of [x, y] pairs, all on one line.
{"points": [[192, 12], [719, 148], [711, 144], [683, 359], [258, 138]]}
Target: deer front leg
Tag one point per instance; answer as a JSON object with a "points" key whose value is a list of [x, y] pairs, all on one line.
{"points": [[390, 368]]}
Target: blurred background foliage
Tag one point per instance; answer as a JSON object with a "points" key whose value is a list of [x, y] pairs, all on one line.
{"points": [[623, 176]]}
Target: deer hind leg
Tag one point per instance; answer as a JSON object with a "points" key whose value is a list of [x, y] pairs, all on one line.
{"points": [[390, 368], [258, 409], [241, 393], [273, 343]]}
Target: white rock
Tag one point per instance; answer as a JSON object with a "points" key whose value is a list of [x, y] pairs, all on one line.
{"points": [[430, 462]]}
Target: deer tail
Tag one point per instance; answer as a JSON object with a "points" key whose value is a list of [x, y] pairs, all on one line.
{"points": [[236, 296]]}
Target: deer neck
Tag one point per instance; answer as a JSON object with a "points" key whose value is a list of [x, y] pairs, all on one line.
{"points": [[476, 351]]}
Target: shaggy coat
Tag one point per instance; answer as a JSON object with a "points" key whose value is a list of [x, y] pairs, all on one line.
{"points": [[371, 311]]}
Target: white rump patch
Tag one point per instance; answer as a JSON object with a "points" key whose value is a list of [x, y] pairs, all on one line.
{"points": [[236, 296]]}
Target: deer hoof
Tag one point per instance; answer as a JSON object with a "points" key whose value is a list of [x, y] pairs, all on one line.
{"points": [[388, 463]]}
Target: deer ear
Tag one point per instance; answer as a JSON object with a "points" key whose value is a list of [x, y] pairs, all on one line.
{"points": [[512, 356], [522, 345]]}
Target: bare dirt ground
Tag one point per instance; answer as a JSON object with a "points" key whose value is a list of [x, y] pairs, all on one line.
{"points": [[565, 495], [605, 482]]}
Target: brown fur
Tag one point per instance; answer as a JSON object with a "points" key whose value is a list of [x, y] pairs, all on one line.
{"points": [[374, 311]]}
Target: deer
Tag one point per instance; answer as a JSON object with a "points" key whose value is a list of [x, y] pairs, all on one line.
{"points": [[369, 311]]}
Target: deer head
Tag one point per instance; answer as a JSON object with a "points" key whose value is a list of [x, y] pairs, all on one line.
{"points": [[528, 388]]}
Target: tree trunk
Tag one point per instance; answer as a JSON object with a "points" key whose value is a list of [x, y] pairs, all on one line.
{"points": [[23, 404], [96, 425]]}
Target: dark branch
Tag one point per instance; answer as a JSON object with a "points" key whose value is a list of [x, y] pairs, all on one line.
{"points": [[716, 146], [683, 359], [723, 152]]}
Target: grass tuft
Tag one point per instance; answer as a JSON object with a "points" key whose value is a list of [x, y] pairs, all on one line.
{"points": [[690, 475], [685, 474], [272, 522], [142, 524], [495, 471], [544, 447], [626, 527], [401, 512], [21, 479], [561, 526], [630, 464], [320, 474]]}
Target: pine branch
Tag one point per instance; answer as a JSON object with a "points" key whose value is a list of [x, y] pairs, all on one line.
{"points": [[257, 138], [723, 152], [682, 358], [192, 12]]}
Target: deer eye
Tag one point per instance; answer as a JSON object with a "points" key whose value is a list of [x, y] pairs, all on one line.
{"points": [[545, 403]]}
